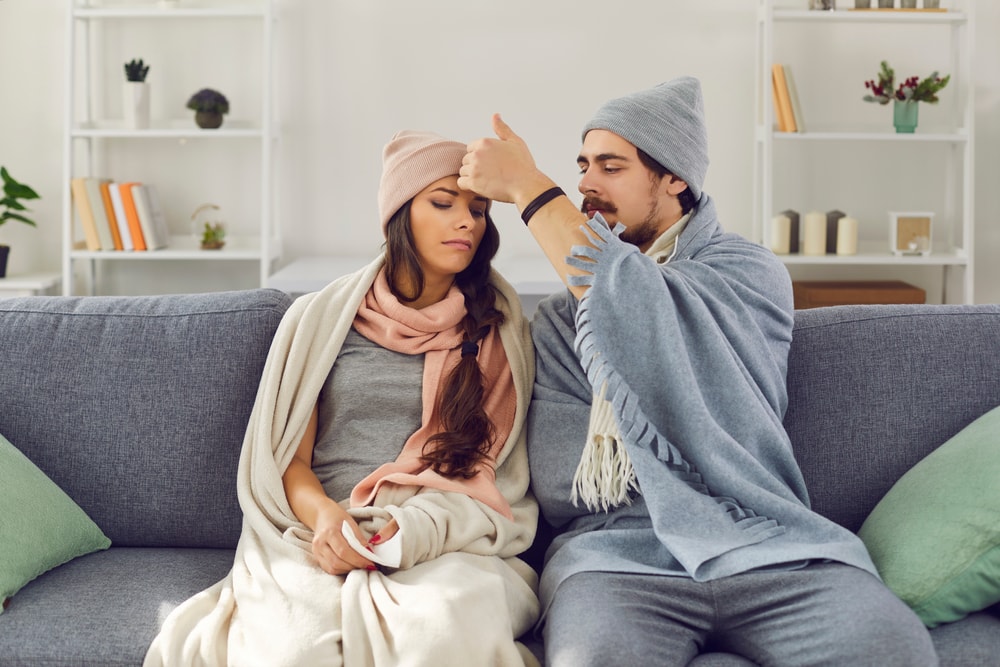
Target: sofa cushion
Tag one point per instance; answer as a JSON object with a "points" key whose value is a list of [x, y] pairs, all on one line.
{"points": [[137, 406], [935, 537], [872, 390], [104, 609], [40, 526], [972, 642]]}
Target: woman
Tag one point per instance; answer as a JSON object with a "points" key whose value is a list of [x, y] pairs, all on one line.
{"points": [[388, 427]]}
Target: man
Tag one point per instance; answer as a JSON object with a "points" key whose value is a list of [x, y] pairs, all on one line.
{"points": [[655, 433]]}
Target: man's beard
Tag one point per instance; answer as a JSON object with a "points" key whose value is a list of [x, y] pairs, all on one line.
{"points": [[640, 234]]}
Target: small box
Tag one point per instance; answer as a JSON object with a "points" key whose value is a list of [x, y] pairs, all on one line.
{"points": [[910, 232], [819, 293]]}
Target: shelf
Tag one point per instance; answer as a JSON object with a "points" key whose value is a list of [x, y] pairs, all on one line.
{"points": [[834, 134], [98, 144], [185, 247], [810, 168], [870, 16], [956, 257], [118, 11], [30, 284], [167, 129]]}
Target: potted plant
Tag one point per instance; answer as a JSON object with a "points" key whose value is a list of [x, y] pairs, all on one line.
{"points": [[208, 228], [209, 106], [906, 96], [11, 209], [135, 95], [213, 236]]}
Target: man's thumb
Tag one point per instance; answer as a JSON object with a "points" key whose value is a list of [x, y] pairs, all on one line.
{"points": [[503, 131]]}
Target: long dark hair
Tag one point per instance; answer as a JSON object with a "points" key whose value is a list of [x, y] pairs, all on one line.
{"points": [[467, 433]]}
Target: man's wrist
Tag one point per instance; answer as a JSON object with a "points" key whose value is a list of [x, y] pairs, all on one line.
{"points": [[531, 190], [538, 202]]}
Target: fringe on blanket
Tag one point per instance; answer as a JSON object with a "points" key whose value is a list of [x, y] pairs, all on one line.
{"points": [[604, 478]]}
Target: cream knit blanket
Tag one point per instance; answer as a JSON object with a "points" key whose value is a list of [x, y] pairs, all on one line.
{"points": [[460, 595]]}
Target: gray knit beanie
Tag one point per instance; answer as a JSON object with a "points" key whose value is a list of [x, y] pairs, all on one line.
{"points": [[667, 122], [411, 161]]}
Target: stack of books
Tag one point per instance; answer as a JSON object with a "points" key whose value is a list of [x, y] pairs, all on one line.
{"points": [[119, 216]]}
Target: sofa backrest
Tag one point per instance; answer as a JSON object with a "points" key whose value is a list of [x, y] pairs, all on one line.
{"points": [[137, 406], [874, 389]]}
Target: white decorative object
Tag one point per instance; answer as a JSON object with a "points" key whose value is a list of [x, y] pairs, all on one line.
{"points": [[135, 104], [847, 236], [814, 233], [781, 235], [910, 232]]}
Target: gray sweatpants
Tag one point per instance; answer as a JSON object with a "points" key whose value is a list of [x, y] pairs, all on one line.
{"points": [[822, 614]]}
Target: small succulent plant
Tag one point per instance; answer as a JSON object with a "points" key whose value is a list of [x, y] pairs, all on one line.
{"points": [[135, 70], [213, 236]]}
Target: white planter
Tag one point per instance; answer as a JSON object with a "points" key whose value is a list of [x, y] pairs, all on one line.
{"points": [[135, 104]]}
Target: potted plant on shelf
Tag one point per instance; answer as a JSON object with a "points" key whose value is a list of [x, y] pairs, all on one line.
{"points": [[11, 209], [209, 106], [208, 228], [135, 95], [906, 96], [213, 237]]}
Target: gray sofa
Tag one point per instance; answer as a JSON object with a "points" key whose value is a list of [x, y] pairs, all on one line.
{"points": [[136, 407]]}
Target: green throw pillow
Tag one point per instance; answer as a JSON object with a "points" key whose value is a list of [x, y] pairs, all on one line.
{"points": [[935, 536], [40, 526]]}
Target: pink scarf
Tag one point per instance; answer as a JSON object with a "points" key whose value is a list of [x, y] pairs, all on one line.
{"points": [[435, 331]]}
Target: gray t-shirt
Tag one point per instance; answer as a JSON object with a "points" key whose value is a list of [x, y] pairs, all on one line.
{"points": [[369, 406]]}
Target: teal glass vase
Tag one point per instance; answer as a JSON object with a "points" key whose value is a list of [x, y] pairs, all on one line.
{"points": [[904, 116]]}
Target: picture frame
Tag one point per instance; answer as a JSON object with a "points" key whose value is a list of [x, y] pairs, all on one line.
{"points": [[910, 232]]}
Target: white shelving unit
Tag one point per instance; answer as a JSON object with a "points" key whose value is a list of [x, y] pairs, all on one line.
{"points": [[846, 160], [97, 143]]}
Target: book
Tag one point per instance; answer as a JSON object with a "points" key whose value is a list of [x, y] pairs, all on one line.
{"points": [[140, 196], [793, 94], [81, 201], [780, 122], [160, 227], [132, 215], [109, 210], [93, 186], [114, 189], [784, 107]]}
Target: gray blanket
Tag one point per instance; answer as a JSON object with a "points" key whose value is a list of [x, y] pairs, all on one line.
{"points": [[694, 354]]}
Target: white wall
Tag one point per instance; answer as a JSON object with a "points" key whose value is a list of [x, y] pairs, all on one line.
{"points": [[352, 73]]}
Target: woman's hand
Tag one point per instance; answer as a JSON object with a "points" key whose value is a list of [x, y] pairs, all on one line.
{"points": [[382, 536], [329, 546]]}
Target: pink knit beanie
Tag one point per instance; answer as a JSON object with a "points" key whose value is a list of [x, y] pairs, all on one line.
{"points": [[411, 161]]}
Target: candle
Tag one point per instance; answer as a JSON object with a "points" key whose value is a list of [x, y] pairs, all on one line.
{"points": [[781, 234], [793, 243], [814, 241], [847, 236], [831, 230]]}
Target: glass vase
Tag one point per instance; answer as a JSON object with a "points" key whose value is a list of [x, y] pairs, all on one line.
{"points": [[904, 116]]}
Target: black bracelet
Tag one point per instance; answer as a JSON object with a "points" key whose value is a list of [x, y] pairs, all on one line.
{"points": [[540, 201]]}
